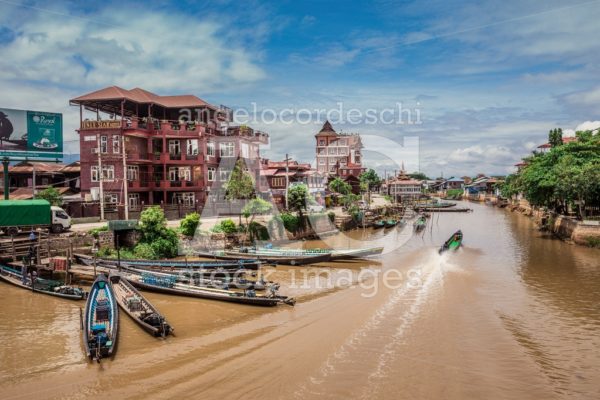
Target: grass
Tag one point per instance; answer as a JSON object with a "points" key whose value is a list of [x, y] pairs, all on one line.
{"points": [[593, 241]]}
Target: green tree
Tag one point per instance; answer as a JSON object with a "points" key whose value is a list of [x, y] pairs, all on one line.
{"points": [[51, 195], [154, 232], [370, 178], [240, 184], [297, 197], [555, 137], [189, 224], [256, 207], [337, 185]]}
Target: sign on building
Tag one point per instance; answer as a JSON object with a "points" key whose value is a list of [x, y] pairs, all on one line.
{"points": [[31, 134]]}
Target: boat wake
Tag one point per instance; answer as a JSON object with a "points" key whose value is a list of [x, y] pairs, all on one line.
{"points": [[377, 342]]}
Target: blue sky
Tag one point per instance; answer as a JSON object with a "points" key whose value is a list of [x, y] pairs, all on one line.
{"points": [[488, 78]]}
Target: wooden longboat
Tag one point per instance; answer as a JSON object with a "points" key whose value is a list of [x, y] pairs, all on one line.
{"points": [[138, 307], [245, 263], [336, 254], [235, 281], [14, 277], [285, 259], [170, 286], [100, 320], [453, 243]]}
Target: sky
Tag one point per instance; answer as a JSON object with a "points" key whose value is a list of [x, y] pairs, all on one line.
{"points": [[480, 82]]}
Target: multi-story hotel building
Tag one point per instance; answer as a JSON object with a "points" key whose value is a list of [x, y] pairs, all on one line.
{"points": [[338, 153], [176, 147]]}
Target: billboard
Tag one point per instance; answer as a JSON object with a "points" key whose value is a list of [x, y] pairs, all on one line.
{"points": [[31, 134]]}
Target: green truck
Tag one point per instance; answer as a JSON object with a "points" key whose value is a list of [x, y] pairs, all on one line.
{"points": [[25, 215]]}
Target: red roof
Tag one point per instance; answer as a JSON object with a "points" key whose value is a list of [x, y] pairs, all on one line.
{"points": [[565, 140], [326, 130], [138, 95]]}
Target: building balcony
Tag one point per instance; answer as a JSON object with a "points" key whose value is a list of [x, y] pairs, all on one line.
{"points": [[135, 156], [173, 129], [182, 185], [178, 158], [139, 184]]}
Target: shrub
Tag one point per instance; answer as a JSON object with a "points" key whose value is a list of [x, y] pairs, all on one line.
{"points": [[152, 224], [166, 245], [144, 250], [51, 195], [290, 222], [94, 232], [189, 224], [228, 226], [105, 252], [331, 216]]}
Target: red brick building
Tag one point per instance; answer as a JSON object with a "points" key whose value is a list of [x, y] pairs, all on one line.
{"points": [[177, 147], [338, 154]]}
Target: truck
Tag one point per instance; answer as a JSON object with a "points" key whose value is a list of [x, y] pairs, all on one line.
{"points": [[26, 215]]}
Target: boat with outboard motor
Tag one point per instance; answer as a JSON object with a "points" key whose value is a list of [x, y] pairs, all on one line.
{"points": [[453, 243], [40, 285], [138, 307], [100, 320]]}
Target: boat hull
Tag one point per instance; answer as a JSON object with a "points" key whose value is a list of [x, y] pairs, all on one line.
{"points": [[122, 286], [255, 301], [285, 260], [95, 349], [17, 282]]}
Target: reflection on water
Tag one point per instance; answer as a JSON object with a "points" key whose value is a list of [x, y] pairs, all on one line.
{"points": [[512, 314]]}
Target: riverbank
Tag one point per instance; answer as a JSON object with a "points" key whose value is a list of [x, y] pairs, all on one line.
{"points": [[583, 233]]}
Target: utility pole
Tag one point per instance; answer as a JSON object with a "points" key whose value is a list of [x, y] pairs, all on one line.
{"points": [[100, 179], [6, 186], [287, 179], [126, 200], [33, 182]]}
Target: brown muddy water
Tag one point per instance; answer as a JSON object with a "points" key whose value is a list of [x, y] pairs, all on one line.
{"points": [[512, 315]]}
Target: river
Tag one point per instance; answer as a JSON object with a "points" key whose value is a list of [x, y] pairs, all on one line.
{"points": [[514, 314]]}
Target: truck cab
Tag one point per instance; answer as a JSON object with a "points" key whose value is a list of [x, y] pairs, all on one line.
{"points": [[60, 220]]}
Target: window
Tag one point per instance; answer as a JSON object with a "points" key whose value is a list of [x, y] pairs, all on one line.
{"points": [[224, 175], [116, 141], [185, 174], [192, 147], [278, 182], [245, 150], [174, 146], [111, 198], [103, 144], [342, 142], [133, 172], [108, 173], [185, 198], [134, 200], [226, 149], [210, 149], [332, 150], [322, 150], [322, 142], [95, 175], [211, 174], [322, 161]]}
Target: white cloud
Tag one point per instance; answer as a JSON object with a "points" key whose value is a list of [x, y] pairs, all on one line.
{"points": [[162, 51], [588, 126]]}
